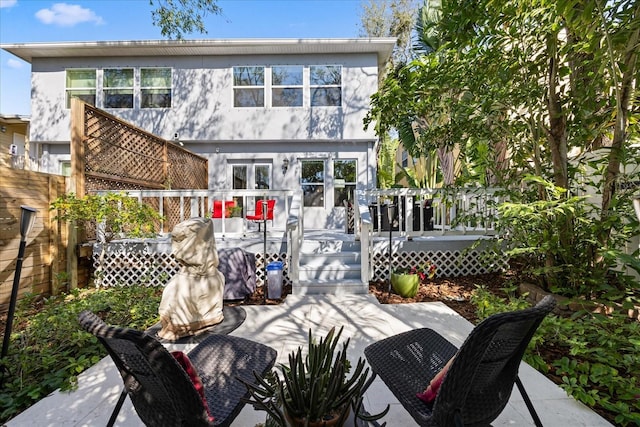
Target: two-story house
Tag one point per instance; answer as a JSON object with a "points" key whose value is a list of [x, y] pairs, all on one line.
{"points": [[267, 113]]}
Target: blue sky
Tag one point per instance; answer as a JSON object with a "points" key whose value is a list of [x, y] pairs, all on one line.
{"points": [[23, 21]]}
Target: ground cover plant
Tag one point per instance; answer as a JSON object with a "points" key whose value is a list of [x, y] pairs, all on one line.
{"points": [[595, 358], [48, 349]]}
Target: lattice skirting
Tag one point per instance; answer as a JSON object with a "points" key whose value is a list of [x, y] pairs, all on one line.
{"points": [[448, 263], [124, 267]]}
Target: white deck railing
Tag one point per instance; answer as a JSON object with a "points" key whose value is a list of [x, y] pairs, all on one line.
{"points": [[418, 213]]}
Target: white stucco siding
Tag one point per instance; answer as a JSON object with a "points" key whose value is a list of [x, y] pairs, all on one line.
{"points": [[202, 100]]}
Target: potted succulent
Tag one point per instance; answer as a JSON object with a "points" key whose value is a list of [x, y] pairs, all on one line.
{"points": [[406, 281], [314, 390]]}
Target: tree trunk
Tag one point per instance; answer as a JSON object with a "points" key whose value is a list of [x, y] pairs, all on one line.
{"points": [[557, 132], [623, 96]]}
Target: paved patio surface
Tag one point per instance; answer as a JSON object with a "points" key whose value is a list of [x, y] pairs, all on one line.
{"points": [[285, 327]]}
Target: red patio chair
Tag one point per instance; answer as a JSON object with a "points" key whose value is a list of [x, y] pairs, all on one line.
{"points": [[219, 212], [259, 214]]}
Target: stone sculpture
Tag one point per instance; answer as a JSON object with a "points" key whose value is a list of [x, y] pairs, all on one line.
{"points": [[193, 299]]}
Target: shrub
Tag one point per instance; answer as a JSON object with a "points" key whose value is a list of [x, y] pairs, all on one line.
{"points": [[48, 349], [604, 364]]}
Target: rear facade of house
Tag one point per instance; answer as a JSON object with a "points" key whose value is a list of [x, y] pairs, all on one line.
{"points": [[277, 114]]}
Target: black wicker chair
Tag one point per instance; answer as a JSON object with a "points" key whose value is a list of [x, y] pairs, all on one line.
{"points": [[479, 382], [160, 389]]}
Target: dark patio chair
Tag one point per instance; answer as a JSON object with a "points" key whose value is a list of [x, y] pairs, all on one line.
{"points": [[160, 389], [479, 381]]}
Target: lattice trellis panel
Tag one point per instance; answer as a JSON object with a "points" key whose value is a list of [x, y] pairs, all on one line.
{"points": [[123, 267], [448, 263], [121, 156], [114, 148]]}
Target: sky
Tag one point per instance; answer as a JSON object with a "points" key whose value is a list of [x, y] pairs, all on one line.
{"points": [[37, 21]]}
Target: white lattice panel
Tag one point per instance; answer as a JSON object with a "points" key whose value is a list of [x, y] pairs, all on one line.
{"points": [[124, 267], [448, 263]]}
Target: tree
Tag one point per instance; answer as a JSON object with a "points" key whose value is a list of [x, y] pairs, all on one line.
{"points": [[177, 17], [542, 77], [390, 18], [110, 215]]}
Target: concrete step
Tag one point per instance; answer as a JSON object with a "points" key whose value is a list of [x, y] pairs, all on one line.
{"points": [[330, 287], [336, 266], [328, 246], [330, 259]]}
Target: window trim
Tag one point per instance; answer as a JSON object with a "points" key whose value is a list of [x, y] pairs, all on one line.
{"points": [[106, 88], [169, 88], [87, 88], [301, 86], [235, 87], [326, 86]]}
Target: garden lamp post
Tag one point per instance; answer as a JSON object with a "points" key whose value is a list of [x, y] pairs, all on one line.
{"points": [[391, 213], [264, 248], [27, 219]]}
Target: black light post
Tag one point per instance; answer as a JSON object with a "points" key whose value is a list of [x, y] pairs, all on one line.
{"points": [[264, 240], [391, 213], [27, 219]]}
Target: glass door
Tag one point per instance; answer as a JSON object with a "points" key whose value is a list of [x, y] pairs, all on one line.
{"points": [[250, 176]]}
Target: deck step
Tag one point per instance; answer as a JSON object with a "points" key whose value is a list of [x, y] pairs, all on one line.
{"points": [[331, 287], [331, 267]]}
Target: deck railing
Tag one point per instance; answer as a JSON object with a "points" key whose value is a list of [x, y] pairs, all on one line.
{"points": [[413, 213]]}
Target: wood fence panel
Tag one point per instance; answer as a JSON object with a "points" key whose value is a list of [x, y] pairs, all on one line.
{"points": [[44, 256]]}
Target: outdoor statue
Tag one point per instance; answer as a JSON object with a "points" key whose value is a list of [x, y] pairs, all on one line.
{"points": [[192, 300]]}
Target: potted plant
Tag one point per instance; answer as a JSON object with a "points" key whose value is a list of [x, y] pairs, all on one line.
{"points": [[406, 281], [314, 390]]}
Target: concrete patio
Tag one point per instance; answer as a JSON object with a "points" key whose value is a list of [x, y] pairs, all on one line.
{"points": [[285, 327]]}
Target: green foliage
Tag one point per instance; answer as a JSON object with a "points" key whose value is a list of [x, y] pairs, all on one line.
{"points": [[556, 240], [114, 213], [177, 17], [48, 349], [603, 368], [316, 385]]}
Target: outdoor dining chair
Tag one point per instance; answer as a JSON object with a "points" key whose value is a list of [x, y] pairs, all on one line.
{"points": [[260, 215], [480, 378], [166, 389]]}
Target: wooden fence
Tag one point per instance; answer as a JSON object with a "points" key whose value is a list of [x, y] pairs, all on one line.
{"points": [[44, 269]]}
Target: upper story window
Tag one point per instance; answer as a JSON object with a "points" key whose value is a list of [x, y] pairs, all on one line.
{"points": [[286, 86], [248, 86], [325, 85], [117, 88], [81, 84], [405, 159], [155, 88]]}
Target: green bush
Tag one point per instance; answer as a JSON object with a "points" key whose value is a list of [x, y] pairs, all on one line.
{"points": [[557, 242], [603, 368], [48, 349]]}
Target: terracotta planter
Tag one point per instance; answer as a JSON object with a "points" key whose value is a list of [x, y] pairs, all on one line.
{"points": [[405, 285]]}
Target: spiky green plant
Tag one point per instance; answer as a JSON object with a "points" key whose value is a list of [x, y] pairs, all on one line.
{"points": [[314, 387]]}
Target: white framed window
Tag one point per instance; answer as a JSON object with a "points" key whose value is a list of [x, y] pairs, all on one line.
{"points": [[81, 83], [286, 86], [344, 175], [155, 88], [325, 84], [405, 159], [117, 88], [312, 181], [248, 86]]}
